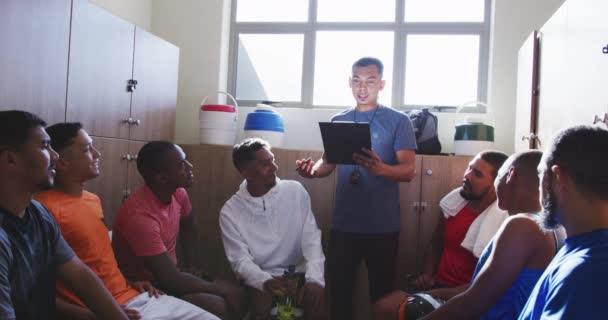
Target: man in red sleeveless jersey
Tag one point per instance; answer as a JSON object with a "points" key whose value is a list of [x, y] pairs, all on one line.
{"points": [[470, 217]]}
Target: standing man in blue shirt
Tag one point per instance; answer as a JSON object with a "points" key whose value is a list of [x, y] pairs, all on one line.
{"points": [[574, 186], [366, 217]]}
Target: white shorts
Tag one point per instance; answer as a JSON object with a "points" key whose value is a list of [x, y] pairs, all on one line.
{"points": [[166, 307]]}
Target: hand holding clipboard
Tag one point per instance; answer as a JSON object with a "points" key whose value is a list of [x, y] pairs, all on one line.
{"points": [[341, 140]]}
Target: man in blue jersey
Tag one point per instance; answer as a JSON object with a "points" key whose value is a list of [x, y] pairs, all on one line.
{"points": [[574, 183], [366, 217]]}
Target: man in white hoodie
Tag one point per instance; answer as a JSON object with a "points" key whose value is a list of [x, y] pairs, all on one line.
{"points": [[267, 226]]}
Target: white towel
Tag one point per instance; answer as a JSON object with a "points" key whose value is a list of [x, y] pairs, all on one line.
{"points": [[483, 227], [452, 203]]}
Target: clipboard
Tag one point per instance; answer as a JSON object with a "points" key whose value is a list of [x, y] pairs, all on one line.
{"points": [[342, 139]]}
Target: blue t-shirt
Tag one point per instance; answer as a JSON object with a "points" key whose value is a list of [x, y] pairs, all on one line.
{"points": [[573, 285], [31, 249], [372, 206], [510, 304]]}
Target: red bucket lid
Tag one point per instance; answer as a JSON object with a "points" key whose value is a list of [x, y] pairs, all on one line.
{"points": [[218, 107]]}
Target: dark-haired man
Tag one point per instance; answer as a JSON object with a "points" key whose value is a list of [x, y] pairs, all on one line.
{"points": [[79, 216], [32, 249], [366, 217], [469, 220], [147, 227], [267, 226], [574, 187]]}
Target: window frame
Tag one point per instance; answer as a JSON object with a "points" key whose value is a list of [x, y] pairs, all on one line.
{"points": [[399, 27]]}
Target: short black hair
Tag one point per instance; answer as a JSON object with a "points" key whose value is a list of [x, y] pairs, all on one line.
{"points": [[369, 61], [62, 134], [151, 158], [494, 158], [244, 152], [15, 126], [582, 153]]}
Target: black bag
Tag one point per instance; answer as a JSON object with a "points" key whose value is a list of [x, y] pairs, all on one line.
{"points": [[425, 127]]}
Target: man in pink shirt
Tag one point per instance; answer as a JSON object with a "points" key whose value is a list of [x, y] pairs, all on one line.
{"points": [[147, 226]]}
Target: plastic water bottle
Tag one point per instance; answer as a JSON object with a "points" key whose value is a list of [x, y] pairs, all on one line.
{"points": [[286, 309]]}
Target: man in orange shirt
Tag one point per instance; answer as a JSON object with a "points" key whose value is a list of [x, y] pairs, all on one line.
{"points": [[79, 216]]}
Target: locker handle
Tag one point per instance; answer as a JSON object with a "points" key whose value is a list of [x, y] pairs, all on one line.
{"points": [[423, 205], [129, 157]]}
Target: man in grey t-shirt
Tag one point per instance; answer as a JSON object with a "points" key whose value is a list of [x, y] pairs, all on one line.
{"points": [[366, 215], [32, 250]]}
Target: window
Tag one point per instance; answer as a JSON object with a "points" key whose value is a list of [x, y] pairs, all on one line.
{"points": [[435, 52], [260, 57]]}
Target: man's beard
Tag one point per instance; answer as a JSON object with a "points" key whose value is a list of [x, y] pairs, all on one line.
{"points": [[548, 216], [272, 183], [470, 196]]}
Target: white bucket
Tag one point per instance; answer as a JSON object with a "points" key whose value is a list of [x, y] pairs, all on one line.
{"points": [[217, 133], [217, 123]]}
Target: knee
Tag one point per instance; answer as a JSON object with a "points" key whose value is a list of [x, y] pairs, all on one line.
{"points": [[210, 303], [220, 307]]}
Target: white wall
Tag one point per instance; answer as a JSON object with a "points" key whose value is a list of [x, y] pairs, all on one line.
{"points": [[201, 30], [138, 12]]}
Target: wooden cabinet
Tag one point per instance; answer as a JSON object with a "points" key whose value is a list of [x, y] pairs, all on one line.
{"points": [[409, 196], [122, 80], [34, 37], [155, 68], [69, 60], [101, 63], [573, 68], [134, 179], [553, 83], [526, 113]]}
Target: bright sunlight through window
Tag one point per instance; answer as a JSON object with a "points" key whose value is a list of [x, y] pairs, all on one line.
{"points": [[300, 52]]}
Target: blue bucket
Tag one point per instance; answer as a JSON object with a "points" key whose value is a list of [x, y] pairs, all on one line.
{"points": [[266, 124], [267, 120]]}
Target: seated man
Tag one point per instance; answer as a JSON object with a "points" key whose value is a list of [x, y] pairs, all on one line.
{"points": [[267, 226], [32, 250], [470, 219], [147, 226], [512, 263], [79, 216], [574, 188]]}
